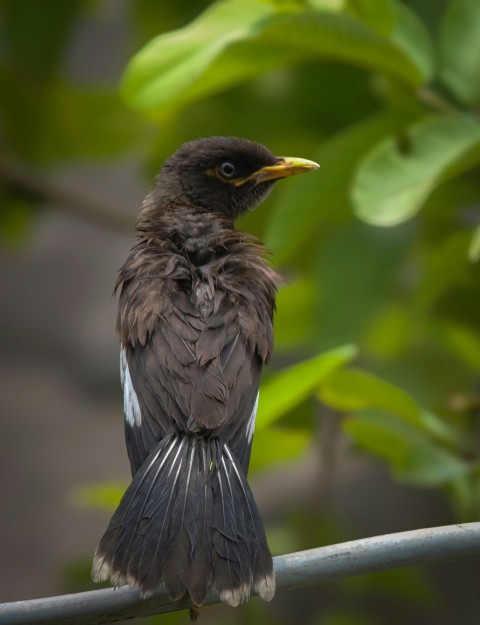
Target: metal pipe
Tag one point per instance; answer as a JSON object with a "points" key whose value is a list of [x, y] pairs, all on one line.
{"points": [[304, 568]]}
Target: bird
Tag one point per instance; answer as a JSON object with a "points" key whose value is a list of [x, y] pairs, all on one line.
{"points": [[195, 323]]}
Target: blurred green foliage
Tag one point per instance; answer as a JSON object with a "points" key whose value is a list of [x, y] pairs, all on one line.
{"points": [[378, 248], [396, 294]]}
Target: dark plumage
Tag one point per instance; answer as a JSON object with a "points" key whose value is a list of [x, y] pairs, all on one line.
{"points": [[195, 324]]}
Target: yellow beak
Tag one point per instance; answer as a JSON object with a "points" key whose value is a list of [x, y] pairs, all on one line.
{"points": [[286, 166]]}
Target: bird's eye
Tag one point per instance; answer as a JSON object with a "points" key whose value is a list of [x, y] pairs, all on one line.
{"points": [[227, 169]]}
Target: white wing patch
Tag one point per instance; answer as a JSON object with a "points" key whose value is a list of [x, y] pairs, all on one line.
{"points": [[131, 407], [251, 420]]}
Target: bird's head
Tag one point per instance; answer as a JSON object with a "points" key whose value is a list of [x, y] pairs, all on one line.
{"points": [[225, 174]]}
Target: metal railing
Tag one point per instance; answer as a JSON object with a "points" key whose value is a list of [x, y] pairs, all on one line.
{"points": [[304, 568]]}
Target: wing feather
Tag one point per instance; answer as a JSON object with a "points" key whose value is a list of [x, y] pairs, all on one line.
{"points": [[194, 373]]}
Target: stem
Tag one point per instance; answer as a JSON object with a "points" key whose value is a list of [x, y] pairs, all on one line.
{"points": [[434, 100]]}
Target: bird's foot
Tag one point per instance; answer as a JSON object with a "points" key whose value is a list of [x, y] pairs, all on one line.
{"points": [[194, 613]]}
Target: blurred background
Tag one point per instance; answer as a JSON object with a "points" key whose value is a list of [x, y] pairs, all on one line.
{"points": [[370, 415]]}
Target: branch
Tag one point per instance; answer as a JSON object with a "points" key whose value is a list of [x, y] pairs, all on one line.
{"points": [[304, 568], [41, 189], [434, 100]]}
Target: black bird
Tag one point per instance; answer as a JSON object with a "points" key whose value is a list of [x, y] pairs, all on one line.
{"points": [[195, 324]]}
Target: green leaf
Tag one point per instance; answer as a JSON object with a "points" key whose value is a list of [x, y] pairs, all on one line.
{"points": [[292, 385], [426, 464], [351, 390], [383, 435], [277, 445], [331, 35], [354, 389], [392, 182], [401, 26], [378, 14], [414, 458], [459, 48], [474, 248], [179, 65], [105, 495], [464, 341], [232, 42], [411, 36], [306, 201]]}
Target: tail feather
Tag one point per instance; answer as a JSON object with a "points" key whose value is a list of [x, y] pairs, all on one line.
{"points": [[199, 575], [188, 520], [263, 576]]}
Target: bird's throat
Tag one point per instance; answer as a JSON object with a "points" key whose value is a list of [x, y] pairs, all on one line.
{"points": [[184, 230]]}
